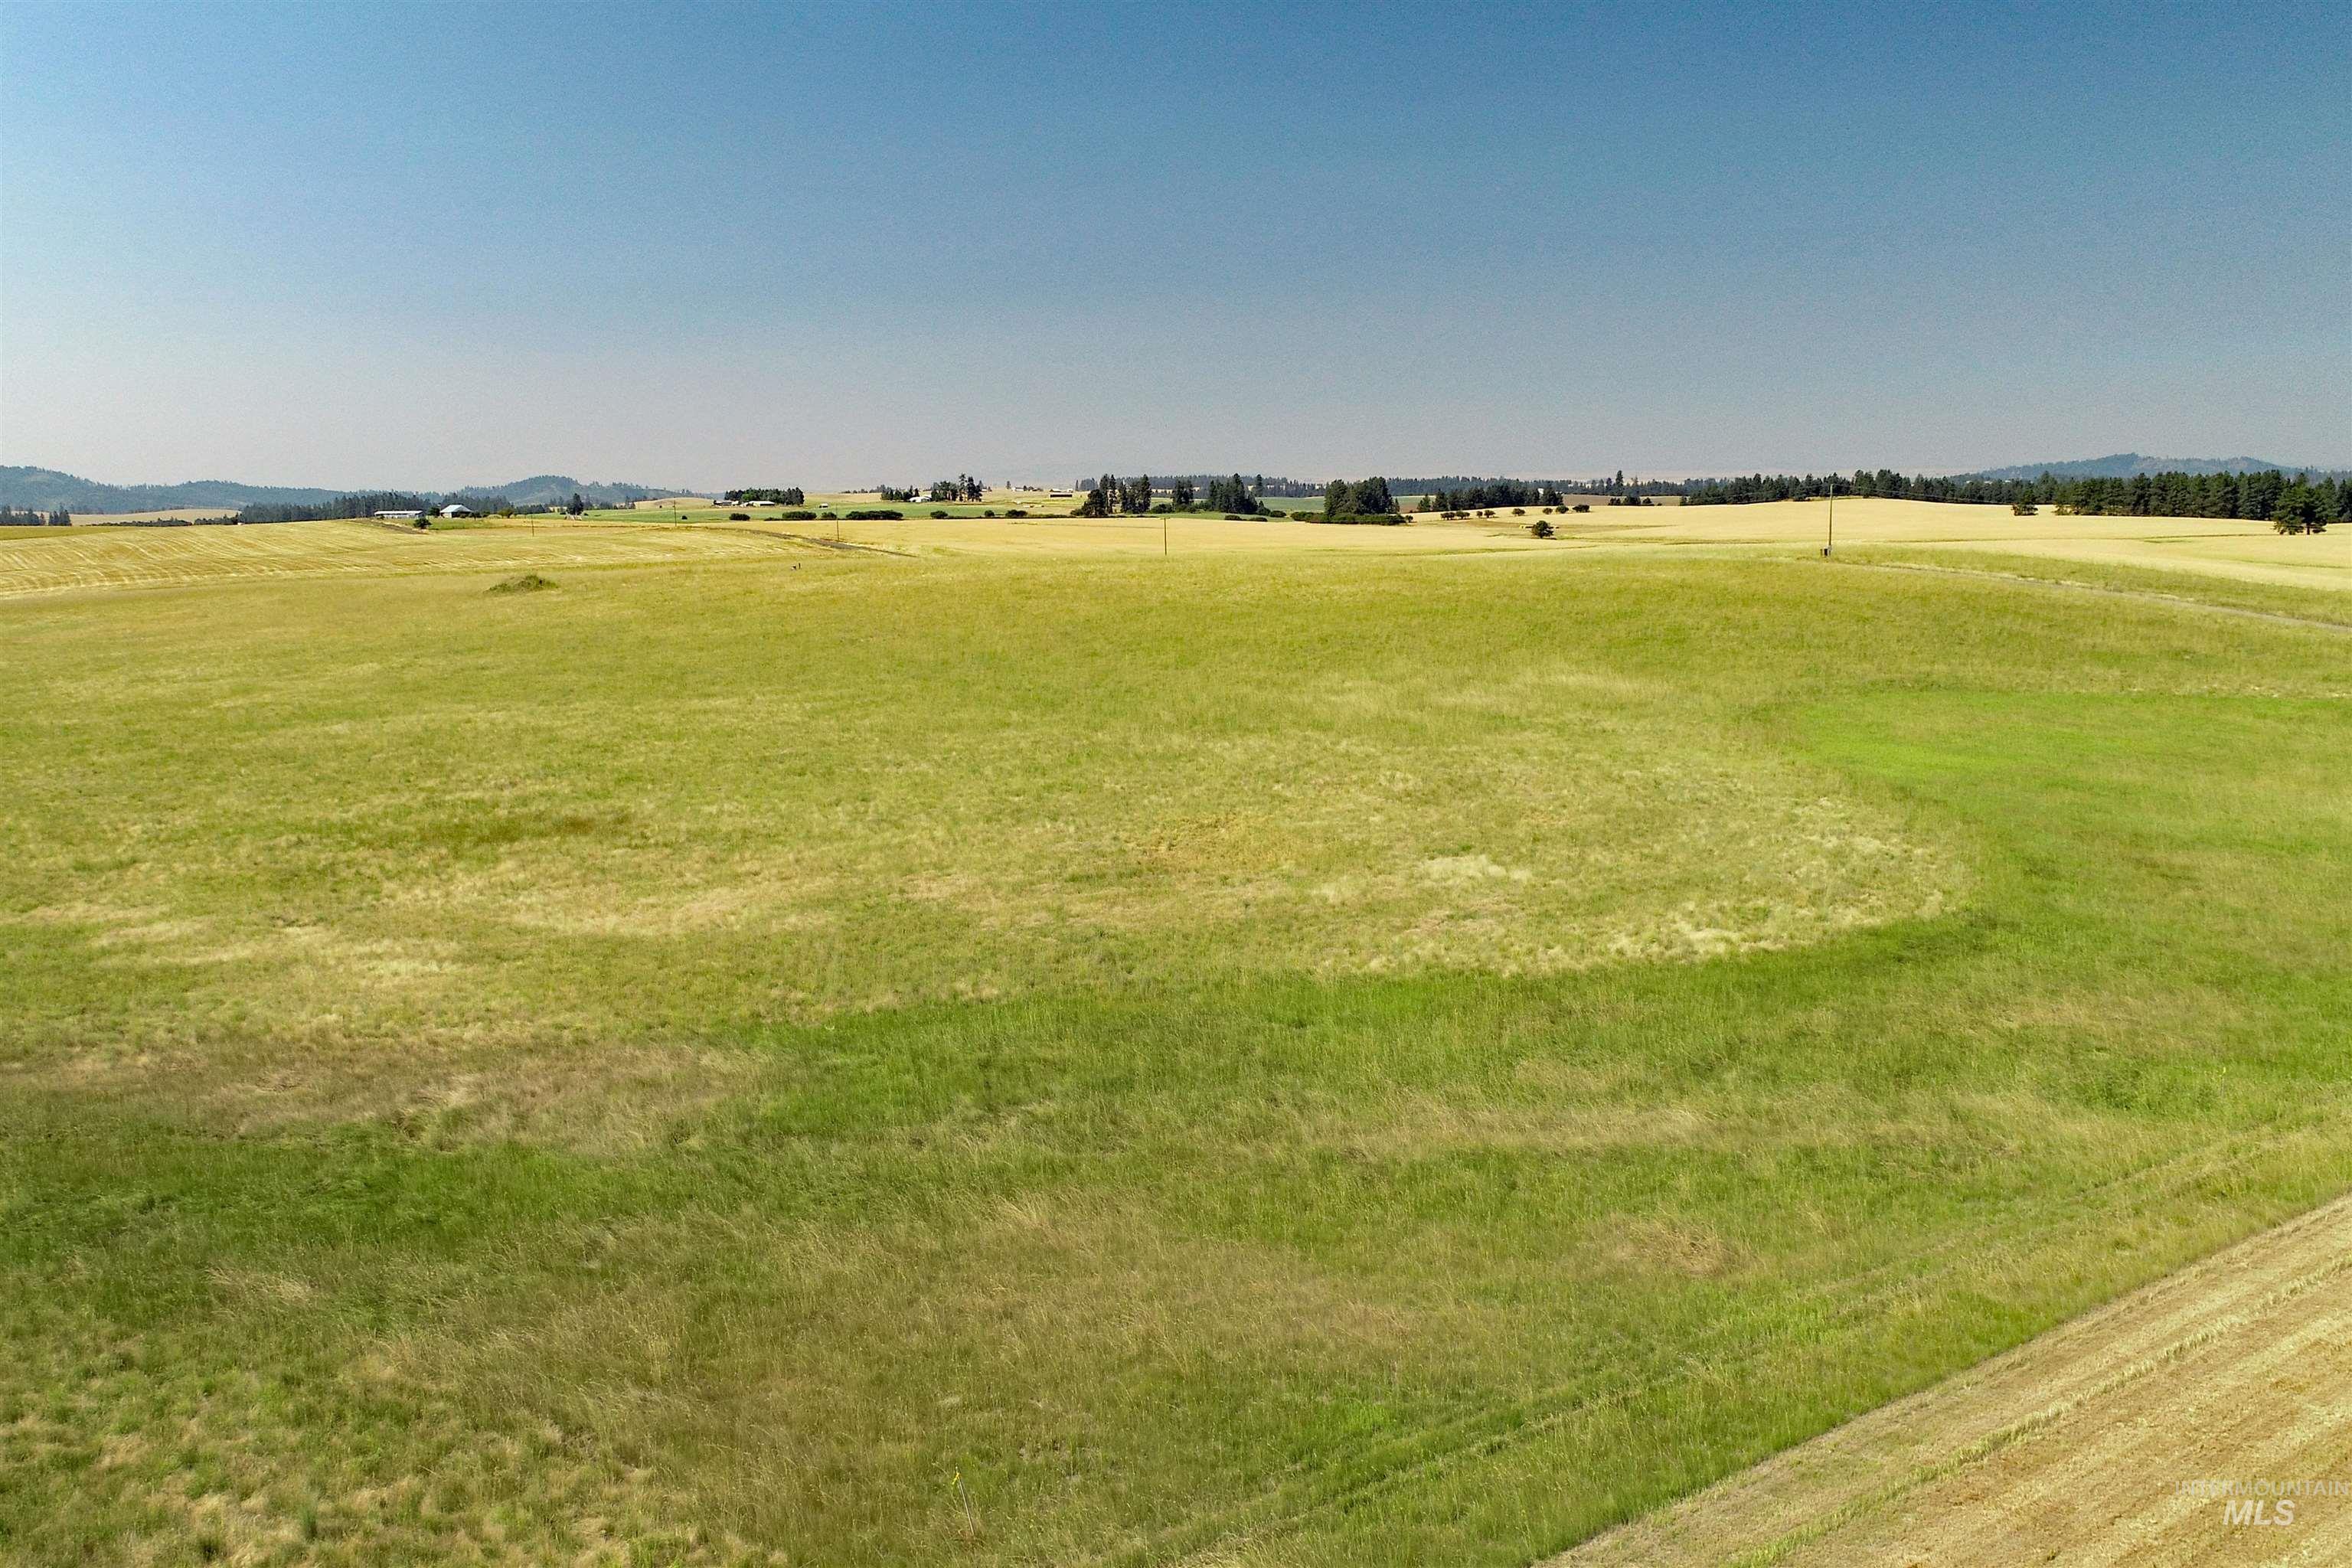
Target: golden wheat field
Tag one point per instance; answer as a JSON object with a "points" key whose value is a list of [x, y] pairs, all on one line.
{"points": [[2130, 553], [2245, 552]]}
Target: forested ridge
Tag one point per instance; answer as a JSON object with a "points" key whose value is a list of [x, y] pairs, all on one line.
{"points": [[2292, 503]]}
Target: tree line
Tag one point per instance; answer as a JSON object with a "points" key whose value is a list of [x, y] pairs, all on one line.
{"points": [[1254, 486], [367, 503], [1530, 493], [963, 487], [2296, 505], [1259, 485], [1230, 494], [1487, 493], [790, 495], [364, 503], [12, 518], [1109, 495]]}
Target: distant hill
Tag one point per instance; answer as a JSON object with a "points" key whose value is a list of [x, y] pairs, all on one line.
{"points": [[2123, 465], [554, 489], [47, 489]]}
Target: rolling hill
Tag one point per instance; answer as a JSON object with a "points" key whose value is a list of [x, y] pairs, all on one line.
{"points": [[2123, 465], [48, 490]]}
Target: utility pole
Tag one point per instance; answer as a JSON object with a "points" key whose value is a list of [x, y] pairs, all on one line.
{"points": [[1831, 542]]}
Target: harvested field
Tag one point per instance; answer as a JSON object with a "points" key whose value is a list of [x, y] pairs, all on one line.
{"points": [[165, 557], [2226, 548], [2247, 555], [2205, 1419]]}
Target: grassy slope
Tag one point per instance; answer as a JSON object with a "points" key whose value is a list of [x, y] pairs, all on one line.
{"points": [[2186, 584], [2247, 553], [490, 1074]]}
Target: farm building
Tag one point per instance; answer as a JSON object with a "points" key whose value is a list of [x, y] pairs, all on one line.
{"points": [[459, 508]]}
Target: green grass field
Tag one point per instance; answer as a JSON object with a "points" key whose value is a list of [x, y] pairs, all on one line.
{"points": [[772, 1055]]}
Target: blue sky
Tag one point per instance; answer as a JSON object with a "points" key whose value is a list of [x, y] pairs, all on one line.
{"points": [[357, 245]]}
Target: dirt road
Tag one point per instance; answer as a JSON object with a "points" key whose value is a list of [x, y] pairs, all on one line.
{"points": [[2205, 1419]]}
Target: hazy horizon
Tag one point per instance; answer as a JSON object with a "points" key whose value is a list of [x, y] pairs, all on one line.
{"points": [[379, 246], [1059, 482]]}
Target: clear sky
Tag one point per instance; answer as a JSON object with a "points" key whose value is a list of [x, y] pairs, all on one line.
{"points": [[369, 245]]}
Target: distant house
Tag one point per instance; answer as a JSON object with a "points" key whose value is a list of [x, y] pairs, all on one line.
{"points": [[401, 516], [456, 509]]}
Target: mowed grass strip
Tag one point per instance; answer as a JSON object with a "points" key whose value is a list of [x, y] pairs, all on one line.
{"points": [[1008, 1063], [2177, 585]]}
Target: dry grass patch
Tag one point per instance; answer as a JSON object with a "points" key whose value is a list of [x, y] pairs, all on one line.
{"points": [[169, 557], [2224, 549], [417, 855]]}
